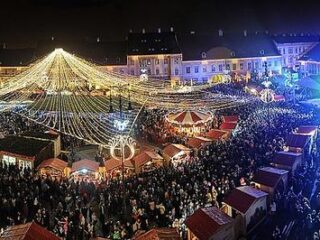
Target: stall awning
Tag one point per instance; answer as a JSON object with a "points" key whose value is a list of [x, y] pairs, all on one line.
{"points": [[205, 222], [242, 198], [55, 163], [85, 164], [189, 118], [29, 231]]}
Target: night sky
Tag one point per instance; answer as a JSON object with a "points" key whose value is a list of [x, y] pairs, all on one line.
{"points": [[26, 21]]}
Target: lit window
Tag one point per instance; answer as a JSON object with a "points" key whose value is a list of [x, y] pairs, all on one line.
{"points": [[157, 61], [234, 67], [241, 66], [228, 66]]}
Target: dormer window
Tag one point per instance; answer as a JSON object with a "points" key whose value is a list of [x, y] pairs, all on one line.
{"points": [[262, 52], [203, 55], [232, 54], [143, 40]]}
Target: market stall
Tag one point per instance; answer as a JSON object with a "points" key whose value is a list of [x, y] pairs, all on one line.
{"points": [[190, 122], [53, 167], [86, 170], [113, 168], [175, 154], [147, 161]]}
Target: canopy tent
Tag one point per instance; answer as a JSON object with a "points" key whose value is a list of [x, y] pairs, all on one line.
{"points": [[189, 118]]}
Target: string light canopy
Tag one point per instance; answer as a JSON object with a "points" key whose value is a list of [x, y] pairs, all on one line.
{"points": [[71, 95]]}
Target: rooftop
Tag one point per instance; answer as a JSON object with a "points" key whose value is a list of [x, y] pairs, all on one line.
{"points": [[205, 222], [296, 38], [269, 176], [312, 55]]}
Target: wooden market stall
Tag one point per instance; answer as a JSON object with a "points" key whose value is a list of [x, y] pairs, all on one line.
{"points": [[287, 160], [247, 205], [190, 123], [197, 143], [28, 231], [216, 134], [86, 170], [175, 154], [24, 152], [113, 168], [147, 161], [270, 179], [210, 224], [53, 167], [298, 143], [232, 118], [228, 126]]}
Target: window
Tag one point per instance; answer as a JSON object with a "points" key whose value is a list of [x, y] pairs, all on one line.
{"points": [[213, 68], [157, 71], [148, 61], [132, 72], [300, 49], [241, 66], [290, 50], [262, 52], [156, 61], [204, 79], [283, 51], [228, 67], [204, 69], [24, 164], [188, 70], [196, 69], [9, 160], [234, 67], [166, 61], [131, 62], [203, 55], [296, 50], [165, 70], [176, 60], [220, 67], [269, 63], [275, 63], [256, 65], [176, 71]]}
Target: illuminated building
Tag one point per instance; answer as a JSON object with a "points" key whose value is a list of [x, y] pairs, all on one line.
{"points": [[310, 62], [293, 46]]}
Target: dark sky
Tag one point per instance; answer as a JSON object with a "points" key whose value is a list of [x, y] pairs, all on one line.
{"points": [[26, 21]]}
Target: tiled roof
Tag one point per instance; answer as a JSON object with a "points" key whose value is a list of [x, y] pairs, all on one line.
{"points": [[55, 163], [85, 164], [297, 140], [242, 198], [16, 57], [205, 222], [160, 234], [312, 55], [152, 43], [29, 231], [296, 38], [211, 46], [112, 164], [269, 176]]}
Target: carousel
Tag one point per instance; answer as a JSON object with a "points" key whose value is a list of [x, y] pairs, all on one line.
{"points": [[189, 122]]}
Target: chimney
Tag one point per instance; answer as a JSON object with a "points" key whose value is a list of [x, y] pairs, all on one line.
{"points": [[130, 30], [171, 29], [159, 30], [245, 33], [143, 31], [220, 33]]}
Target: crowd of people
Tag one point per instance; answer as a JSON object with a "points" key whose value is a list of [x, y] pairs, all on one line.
{"points": [[167, 195]]}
